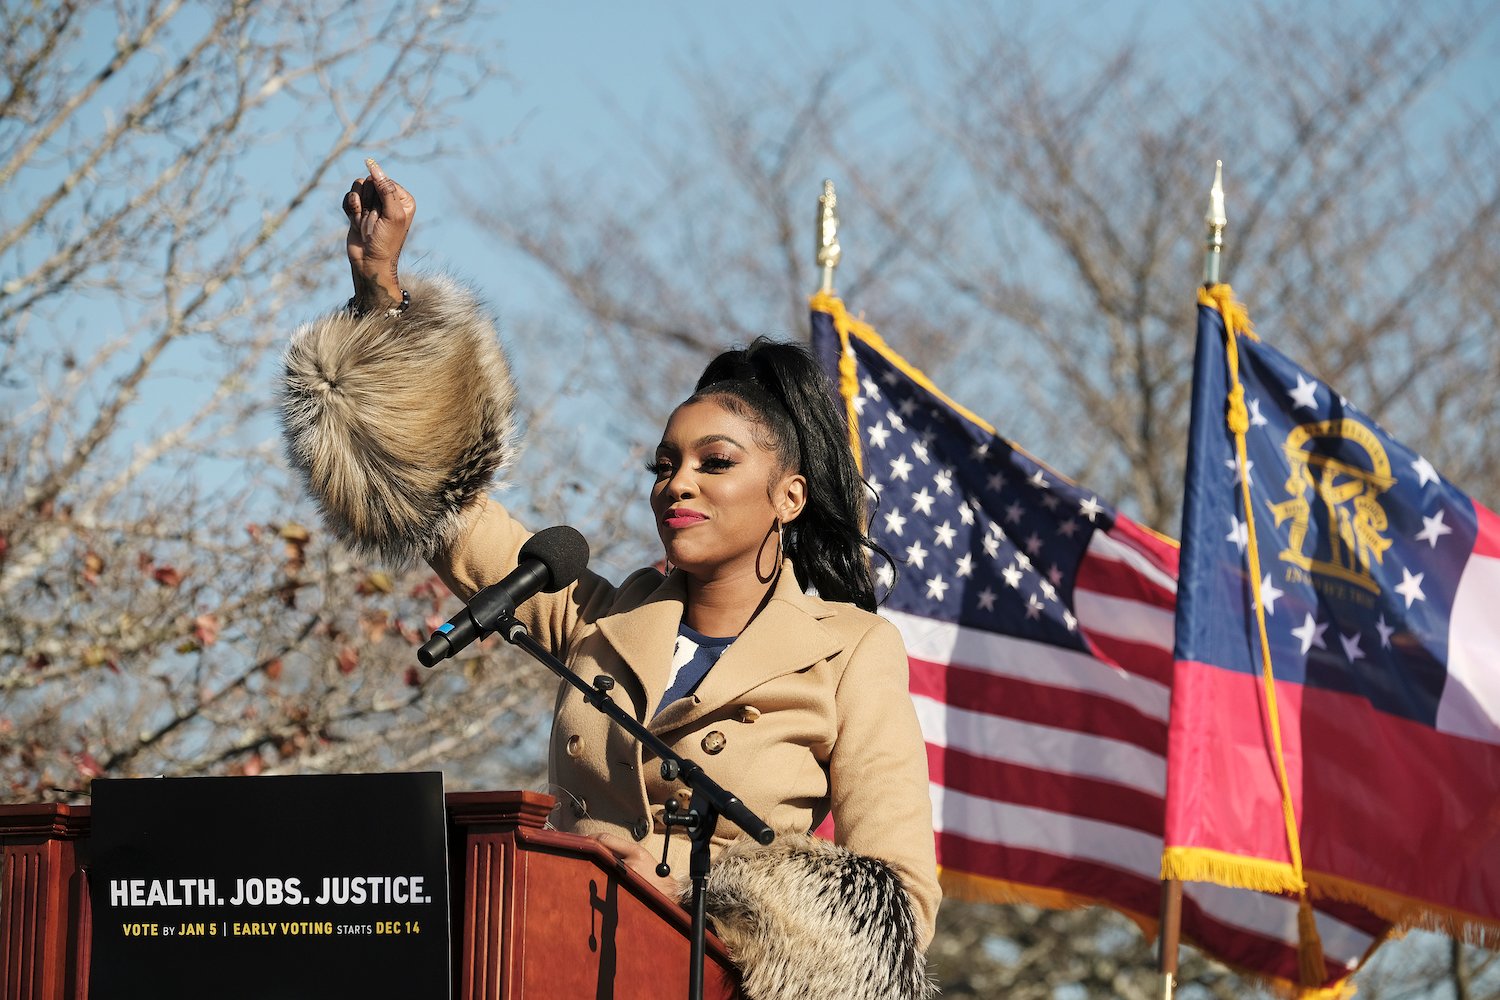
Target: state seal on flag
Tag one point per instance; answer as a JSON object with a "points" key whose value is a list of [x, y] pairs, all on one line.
{"points": [[1338, 471]]}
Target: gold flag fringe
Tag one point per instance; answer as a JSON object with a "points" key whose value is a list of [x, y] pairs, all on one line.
{"points": [[1198, 864], [1407, 913], [983, 889]]}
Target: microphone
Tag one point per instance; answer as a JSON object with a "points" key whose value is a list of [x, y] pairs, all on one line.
{"points": [[550, 560]]}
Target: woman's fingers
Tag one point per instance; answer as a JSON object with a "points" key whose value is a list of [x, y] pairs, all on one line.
{"points": [[634, 855], [617, 846]]}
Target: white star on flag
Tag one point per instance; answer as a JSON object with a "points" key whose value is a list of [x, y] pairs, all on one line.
{"points": [[1038, 480], [943, 480], [965, 513], [936, 588], [1386, 631], [1091, 508], [995, 482], [858, 402], [1350, 643], [1014, 513], [965, 565], [987, 599], [900, 467], [1034, 607], [1239, 533], [920, 450], [916, 555], [1306, 393], [1033, 544], [1012, 577], [1311, 634], [894, 522], [879, 435], [981, 450], [1425, 472], [896, 421], [1433, 528], [945, 534], [1233, 465], [1257, 419], [1410, 586], [908, 406], [1269, 594], [991, 546], [885, 575], [871, 389], [1068, 528], [921, 501]]}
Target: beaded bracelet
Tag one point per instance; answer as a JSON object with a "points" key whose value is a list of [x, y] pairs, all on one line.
{"points": [[390, 313]]}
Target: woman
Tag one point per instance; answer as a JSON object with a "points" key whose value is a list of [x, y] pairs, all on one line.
{"points": [[398, 413]]}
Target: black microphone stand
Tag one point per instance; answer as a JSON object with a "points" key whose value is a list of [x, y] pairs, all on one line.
{"points": [[709, 801]]}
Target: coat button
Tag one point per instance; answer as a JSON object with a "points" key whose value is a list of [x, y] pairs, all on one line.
{"points": [[575, 746], [714, 742], [641, 827], [749, 713]]}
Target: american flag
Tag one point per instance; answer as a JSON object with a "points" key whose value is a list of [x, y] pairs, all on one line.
{"points": [[1038, 622]]}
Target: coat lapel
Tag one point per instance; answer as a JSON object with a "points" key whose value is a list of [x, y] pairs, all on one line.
{"points": [[645, 636], [785, 637]]}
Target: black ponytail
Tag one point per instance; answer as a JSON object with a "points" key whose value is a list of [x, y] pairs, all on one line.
{"points": [[782, 388]]}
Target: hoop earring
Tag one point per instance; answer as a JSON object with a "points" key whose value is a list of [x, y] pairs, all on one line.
{"points": [[775, 569], [780, 544]]}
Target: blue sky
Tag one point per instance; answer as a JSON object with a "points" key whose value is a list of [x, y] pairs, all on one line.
{"points": [[580, 80]]}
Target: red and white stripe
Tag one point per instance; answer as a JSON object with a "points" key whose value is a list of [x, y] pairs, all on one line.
{"points": [[1048, 766], [1470, 704]]}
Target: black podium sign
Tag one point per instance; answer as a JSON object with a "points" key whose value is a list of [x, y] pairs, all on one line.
{"points": [[269, 888]]}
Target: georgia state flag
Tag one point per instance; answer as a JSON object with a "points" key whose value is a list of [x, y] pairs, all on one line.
{"points": [[1380, 584]]}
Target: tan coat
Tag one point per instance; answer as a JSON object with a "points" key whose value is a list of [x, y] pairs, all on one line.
{"points": [[807, 711]]}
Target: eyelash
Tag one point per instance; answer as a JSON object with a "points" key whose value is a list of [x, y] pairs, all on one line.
{"points": [[711, 464]]}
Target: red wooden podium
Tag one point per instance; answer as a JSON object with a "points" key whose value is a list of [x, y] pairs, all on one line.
{"points": [[537, 915]]}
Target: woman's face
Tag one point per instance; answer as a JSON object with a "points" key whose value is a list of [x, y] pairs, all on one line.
{"points": [[719, 492]]}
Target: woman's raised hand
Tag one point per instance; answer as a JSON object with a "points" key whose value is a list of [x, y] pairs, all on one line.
{"points": [[380, 214]]}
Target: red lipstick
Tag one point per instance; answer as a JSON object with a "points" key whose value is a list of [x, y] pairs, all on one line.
{"points": [[681, 517]]}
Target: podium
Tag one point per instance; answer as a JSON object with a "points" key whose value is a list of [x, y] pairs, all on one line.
{"points": [[536, 914]]}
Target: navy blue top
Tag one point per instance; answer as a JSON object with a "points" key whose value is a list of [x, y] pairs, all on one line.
{"points": [[692, 658]]}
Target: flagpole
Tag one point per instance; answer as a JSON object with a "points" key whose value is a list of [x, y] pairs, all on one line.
{"points": [[1169, 934], [829, 251], [1216, 222]]}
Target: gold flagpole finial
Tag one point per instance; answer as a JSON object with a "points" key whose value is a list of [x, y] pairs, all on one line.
{"points": [[1216, 222], [829, 251]]}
